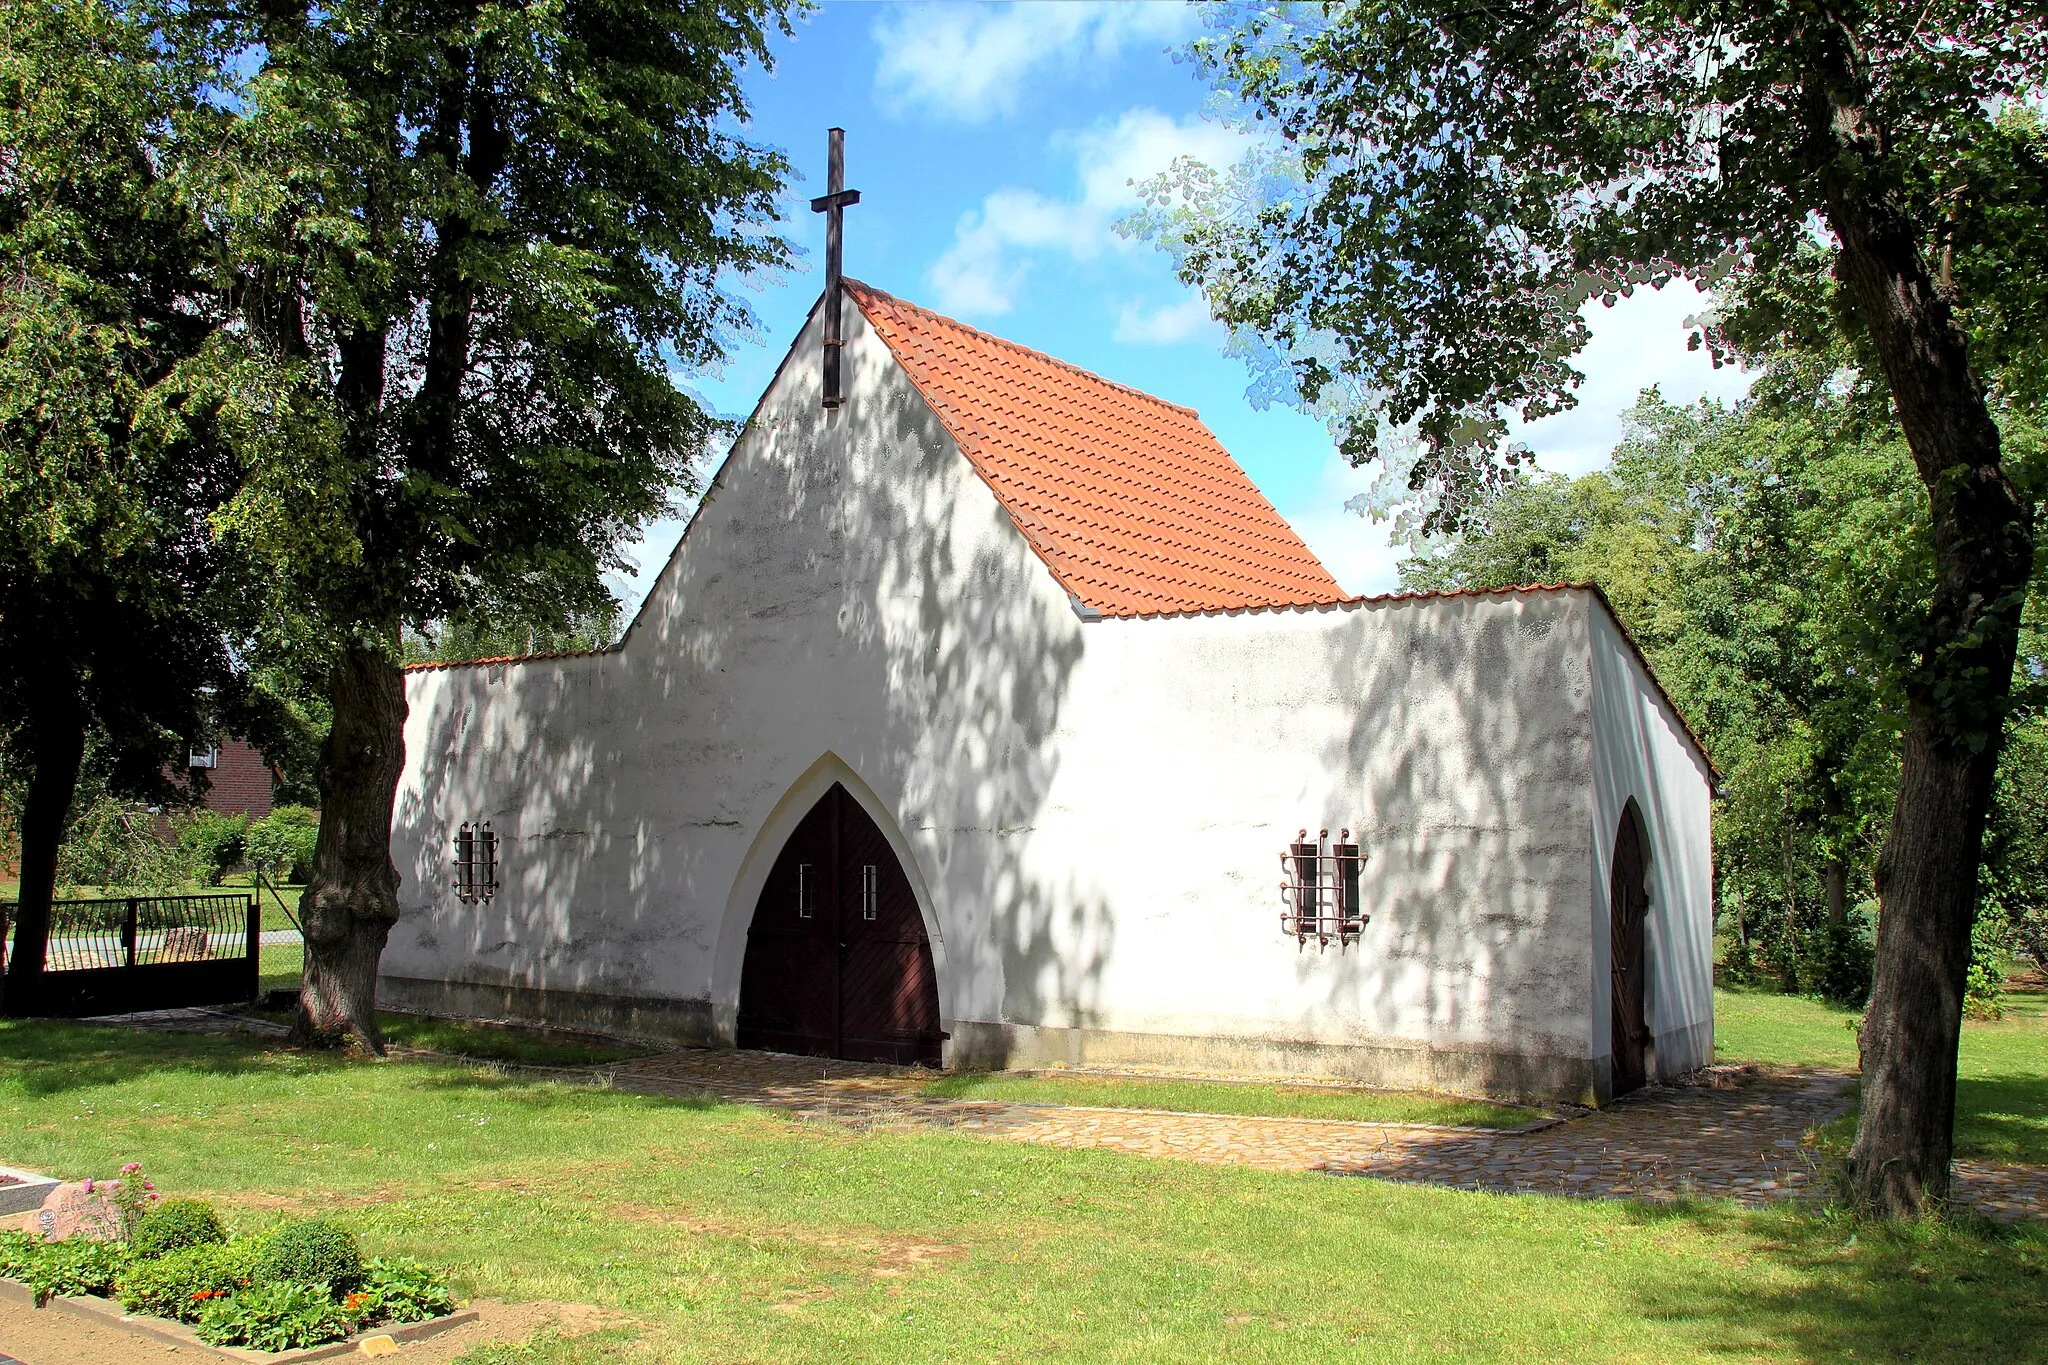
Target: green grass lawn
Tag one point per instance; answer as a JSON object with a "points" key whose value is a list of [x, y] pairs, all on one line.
{"points": [[725, 1233], [1209, 1097], [2002, 1072]]}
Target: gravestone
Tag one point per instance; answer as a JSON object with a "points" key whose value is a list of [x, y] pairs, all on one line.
{"points": [[82, 1208]]}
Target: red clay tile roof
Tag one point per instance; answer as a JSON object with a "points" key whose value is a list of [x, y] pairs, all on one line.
{"points": [[1129, 500]]}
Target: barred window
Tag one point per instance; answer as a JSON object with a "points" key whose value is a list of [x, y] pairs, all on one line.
{"points": [[476, 863], [1319, 890]]}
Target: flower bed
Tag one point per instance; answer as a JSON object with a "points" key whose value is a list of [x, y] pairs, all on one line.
{"points": [[298, 1284]]}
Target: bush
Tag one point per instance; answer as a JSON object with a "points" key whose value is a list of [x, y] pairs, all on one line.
{"points": [[174, 1225], [76, 1266], [312, 1251], [274, 1317], [400, 1289], [282, 843], [17, 1255], [115, 843], [181, 1283], [1844, 958], [212, 842]]}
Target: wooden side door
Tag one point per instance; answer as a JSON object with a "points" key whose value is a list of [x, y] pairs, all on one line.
{"points": [[889, 998], [789, 983], [1628, 901]]}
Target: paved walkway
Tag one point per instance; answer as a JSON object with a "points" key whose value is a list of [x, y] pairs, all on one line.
{"points": [[1736, 1132]]}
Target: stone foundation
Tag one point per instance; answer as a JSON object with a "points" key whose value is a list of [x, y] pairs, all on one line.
{"points": [[1496, 1074], [687, 1023]]}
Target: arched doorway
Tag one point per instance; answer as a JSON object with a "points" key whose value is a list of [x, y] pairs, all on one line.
{"points": [[838, 964], [1628, 902]]}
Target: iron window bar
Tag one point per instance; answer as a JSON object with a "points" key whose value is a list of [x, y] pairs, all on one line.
{"points": [[476, 863], [1319, 891]]}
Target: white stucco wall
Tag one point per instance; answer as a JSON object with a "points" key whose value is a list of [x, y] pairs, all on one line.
{"points": [[1091, 812], [1641, 752]]}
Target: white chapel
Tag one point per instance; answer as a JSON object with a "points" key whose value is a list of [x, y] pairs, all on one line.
{"points": [[987, 715]]}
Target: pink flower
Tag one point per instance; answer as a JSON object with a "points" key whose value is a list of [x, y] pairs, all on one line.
{"points": [[149, 1184], [131, 1168], [88, 1184]]}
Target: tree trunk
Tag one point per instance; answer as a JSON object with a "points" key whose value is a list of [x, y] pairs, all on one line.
{"points": [[1962, 677], [351, 900], [56, 749], [1835, 872], [1788, 935]]}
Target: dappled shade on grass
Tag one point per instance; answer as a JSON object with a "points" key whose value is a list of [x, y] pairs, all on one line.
{"points": [[727, 1232], [491, 1042], [1222, 1097], [2002, 1073]]}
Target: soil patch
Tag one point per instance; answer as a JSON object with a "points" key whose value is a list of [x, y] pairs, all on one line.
{"points": [[41, 1337]]}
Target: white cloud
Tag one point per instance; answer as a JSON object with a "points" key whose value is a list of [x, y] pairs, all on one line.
{"points": [[1166, 324], [971, 62], [985, 267], [1637, 343]]}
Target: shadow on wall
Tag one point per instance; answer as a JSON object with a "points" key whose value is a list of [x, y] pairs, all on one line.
{"points": [[1468, 746], [976, 650], [863, 597]]}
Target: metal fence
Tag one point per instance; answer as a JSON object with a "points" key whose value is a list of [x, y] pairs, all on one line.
{"points": [[137, 931]]}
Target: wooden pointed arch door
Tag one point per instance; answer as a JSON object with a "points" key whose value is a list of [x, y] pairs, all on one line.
{"points": [[838, 963], [1628, 902]]}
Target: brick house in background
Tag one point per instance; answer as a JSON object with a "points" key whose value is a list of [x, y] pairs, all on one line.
{"points": [[241, 778]]}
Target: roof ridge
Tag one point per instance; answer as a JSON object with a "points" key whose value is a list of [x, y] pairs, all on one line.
{"points": [[1067, 365]]}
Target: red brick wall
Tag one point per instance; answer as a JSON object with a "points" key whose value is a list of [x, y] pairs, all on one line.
{"points": [[241, 781]]}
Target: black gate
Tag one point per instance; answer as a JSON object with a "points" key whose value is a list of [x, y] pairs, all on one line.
{"points": [[118, 954]]}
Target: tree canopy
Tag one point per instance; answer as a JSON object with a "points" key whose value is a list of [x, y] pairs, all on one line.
{"points": [[110, 462], [473, 247]]}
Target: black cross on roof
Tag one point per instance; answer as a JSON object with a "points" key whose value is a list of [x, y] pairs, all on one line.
{"points": [[833, 204]]}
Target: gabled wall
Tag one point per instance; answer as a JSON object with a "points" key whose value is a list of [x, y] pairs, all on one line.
{"points": [[849, 592]]}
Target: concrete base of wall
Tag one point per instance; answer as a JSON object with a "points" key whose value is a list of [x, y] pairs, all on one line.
{"points": [[1683, 1050], [685, 1022], [1673, 1053], [1502, 1075], [980, 1045]]}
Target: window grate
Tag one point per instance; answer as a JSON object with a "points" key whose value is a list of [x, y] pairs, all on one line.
{"points": [[476, 863], [1320, 895], [869, 900], [806, 891]]}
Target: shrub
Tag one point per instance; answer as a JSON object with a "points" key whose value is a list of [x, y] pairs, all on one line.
{"points": [[76, 1266], [282, 842], [212, 842], [17, 1254], [114, 843], [274, 1317], [181, 1283], [400, 1289], [1845, 958], [312, 1251], [174, 1225]]}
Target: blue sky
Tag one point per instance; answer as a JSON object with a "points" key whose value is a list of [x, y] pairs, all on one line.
{"points": [[993, 146]]}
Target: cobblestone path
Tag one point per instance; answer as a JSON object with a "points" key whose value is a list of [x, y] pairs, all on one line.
{"points": [[1736, 1133]]}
